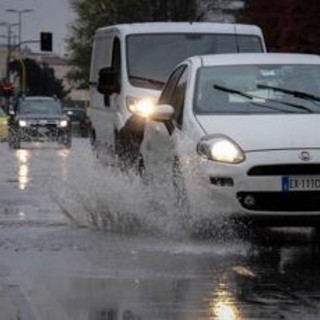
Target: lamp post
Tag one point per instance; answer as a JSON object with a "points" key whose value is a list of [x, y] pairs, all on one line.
{"points": [[20, 12]]}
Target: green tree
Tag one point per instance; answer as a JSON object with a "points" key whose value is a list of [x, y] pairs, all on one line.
{"points": [[288, 25], [40, 79], [92, 14]]}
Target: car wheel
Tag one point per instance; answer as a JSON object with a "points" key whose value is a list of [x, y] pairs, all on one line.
{"points": [[67, 141], [92, 137], [14, 141]]}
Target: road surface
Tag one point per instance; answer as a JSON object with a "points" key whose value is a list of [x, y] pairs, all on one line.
{"points": [[84, 242]]}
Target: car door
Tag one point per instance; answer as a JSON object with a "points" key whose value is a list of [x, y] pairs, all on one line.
{"points": [[160, 140]]}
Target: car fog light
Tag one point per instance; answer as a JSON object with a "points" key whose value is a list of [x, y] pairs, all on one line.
{"points": [[221, 181], [249, 201]]}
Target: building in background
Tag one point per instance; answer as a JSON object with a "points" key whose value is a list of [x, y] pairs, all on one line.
{"points": [[220, 10], [59, 64]]}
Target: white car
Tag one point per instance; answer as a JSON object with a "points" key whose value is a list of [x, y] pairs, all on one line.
{"points": [[248, 126]]}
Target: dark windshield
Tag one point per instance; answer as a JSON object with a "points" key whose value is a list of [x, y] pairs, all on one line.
{"points": [[251, 89], [153, 56], [45, 107]]}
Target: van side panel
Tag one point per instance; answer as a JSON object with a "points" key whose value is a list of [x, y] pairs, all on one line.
{"points": [[100, 114]]}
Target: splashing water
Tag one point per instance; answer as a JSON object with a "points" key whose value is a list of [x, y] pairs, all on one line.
{"points": [[99, 194]]}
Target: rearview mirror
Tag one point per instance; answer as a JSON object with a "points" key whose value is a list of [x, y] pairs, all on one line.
{"points": [[162, 112], [108, 81]]}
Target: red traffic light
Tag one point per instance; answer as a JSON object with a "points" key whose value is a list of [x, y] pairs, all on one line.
{"points": [[7, 89], [7, 86]]}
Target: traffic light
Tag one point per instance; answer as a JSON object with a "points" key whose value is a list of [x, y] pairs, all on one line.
{"points": [[45, 41], [7, 89]]}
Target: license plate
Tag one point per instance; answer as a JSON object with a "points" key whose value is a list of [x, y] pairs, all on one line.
{"points": [[42, 130], [300, 184]]}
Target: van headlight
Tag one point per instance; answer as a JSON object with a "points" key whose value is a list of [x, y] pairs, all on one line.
{"points": [[220, 148], [23, 123], [63, 123], [141, 106]]}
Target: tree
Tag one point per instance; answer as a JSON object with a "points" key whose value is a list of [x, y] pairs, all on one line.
{"points": [[92, 14], [288, 25], [40, 79]]}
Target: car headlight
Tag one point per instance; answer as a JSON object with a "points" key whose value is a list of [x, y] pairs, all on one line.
{"points": [[220, 148], [23, 123], [63, 123], [141, 106]]}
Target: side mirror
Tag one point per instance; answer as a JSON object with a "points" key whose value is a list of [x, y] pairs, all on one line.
{"points": [[108, 81], [162, 112]]}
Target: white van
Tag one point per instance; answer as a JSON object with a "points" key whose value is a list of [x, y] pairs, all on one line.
{"points": [[131, 62]]}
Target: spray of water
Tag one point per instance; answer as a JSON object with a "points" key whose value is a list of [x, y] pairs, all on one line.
{"points": [[101, 195]]}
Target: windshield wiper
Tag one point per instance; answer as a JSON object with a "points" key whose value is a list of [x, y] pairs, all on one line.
{"points": [[295, 93], [251, 97], [152, 81]]}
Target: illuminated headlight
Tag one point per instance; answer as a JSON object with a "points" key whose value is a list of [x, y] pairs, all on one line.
{"points": [[141, 106], [63, 123], [221, 149], [23, 123]]}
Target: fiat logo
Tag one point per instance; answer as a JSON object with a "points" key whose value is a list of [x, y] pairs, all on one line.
{"points": [[304, 156]]}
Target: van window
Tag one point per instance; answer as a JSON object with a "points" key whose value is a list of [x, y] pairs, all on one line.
{"points": [[116, 59], [151, 57]]}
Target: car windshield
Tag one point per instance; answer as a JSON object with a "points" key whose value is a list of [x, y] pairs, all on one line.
{"points": [[40, 106], [152, 68], [252, 89], [75, 113]]}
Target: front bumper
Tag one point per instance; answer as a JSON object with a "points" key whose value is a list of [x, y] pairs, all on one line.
{"points": [[254, 190], [50, 132]]}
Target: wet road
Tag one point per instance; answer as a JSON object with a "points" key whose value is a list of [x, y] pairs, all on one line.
{"points": [[79, 241]]}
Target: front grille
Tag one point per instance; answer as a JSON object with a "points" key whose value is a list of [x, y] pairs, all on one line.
{"points": [[49, 126], [285, 170], [280, 201]]}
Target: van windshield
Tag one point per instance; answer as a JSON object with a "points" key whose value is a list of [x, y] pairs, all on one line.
{"points": [[151, 57]]}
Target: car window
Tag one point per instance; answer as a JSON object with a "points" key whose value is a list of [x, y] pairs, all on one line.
{"points": [[168, 91], [178, 96], [46, 107]]}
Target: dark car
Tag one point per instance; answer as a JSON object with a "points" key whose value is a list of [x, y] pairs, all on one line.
{"points": [[39, 119], [79, 120]]}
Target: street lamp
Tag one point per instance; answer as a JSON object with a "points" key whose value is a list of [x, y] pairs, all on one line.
{"points": [[20, 12]]}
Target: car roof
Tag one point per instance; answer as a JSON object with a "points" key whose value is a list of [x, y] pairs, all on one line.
{"points": [[182, 27], [257, 58], [38, 98]]}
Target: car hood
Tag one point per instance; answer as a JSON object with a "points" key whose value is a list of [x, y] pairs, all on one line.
{"points": [[41, 117], [265, 132]]}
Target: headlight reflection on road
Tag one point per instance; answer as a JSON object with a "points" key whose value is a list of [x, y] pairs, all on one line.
{"points": [[223, 306], [64, 154], [23, 170]]}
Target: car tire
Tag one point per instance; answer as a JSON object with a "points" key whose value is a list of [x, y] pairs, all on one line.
{"points": [[92, 137], [14, 141], [66, 140], [68, 143]]}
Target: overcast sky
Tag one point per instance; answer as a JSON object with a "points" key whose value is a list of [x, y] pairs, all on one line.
{"points": [[48, 15]]}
